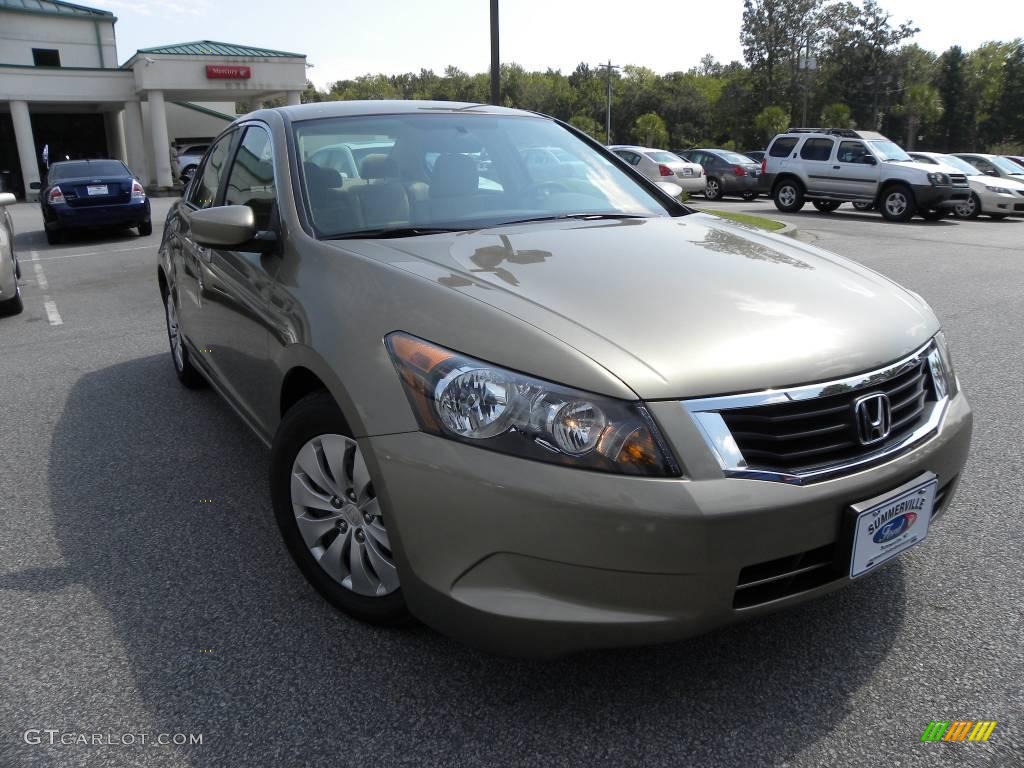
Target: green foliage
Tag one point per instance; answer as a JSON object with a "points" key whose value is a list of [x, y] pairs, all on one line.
{"points": [[588, 125], [837, 115], [770, 121], [649, 130]]}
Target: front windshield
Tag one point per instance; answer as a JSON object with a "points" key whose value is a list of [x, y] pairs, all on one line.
{"points": [[961, 165], [1007, 166], [462, 171], [888, 150]]}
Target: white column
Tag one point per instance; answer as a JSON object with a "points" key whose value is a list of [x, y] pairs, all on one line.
{"points": [[134, 144], [294, 98], [161, 145], [115, 134], [26, 147]]}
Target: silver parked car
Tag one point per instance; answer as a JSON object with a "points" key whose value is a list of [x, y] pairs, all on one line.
{"points": [[543, 415], [10, 270], [661, 165]]}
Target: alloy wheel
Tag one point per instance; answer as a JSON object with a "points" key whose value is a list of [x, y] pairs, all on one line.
{"points": [[896, 203], [174, 334], [339, 518], [966, 209], [711, 190], [787, 195]]}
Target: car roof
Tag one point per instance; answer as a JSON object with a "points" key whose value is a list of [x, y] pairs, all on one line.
{"points": [[300, 112]]}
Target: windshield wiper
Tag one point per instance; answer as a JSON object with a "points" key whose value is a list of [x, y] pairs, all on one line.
{"points": [[388, 232], [578, 216]]}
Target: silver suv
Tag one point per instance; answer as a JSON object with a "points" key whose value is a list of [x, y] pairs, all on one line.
{"points": [[831, 166]]}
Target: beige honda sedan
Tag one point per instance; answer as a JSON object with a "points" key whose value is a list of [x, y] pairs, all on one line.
{"points": [[547, 414]]}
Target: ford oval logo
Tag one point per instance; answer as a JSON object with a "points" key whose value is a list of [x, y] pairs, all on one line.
{"points": [[894, 527]]}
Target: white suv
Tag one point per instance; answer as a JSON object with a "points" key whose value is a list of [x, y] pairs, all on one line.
{"points": [[830, 166]]}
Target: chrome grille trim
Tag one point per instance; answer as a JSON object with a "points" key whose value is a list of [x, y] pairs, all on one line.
{"points": [[706, 413]]}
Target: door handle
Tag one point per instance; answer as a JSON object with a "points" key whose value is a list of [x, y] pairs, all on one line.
{"points": [[835, 167]]}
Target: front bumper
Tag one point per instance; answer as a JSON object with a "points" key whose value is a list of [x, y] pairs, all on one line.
{"points": [[532, 559], [63, 217], [996, 202], [928, 196]]}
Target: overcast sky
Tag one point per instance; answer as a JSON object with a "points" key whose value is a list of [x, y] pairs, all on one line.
{"points": [[343, 39]]}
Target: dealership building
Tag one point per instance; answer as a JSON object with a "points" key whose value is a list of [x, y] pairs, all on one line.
{"points": [[63, 94]]}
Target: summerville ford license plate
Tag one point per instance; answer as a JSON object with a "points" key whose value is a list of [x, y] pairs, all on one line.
{"points": [[890, 524]]}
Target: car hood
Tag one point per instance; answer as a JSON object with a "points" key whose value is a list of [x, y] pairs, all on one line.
{"points": [[678, 307]]}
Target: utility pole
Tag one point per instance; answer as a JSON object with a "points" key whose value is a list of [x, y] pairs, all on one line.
{"points": [[608, 112], [495, 58]]}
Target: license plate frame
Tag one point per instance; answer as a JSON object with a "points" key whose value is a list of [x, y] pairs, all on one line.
{"points": [[876, 532]]}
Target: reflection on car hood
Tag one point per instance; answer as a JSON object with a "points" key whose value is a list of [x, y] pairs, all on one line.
{"points": [[679, 307]]}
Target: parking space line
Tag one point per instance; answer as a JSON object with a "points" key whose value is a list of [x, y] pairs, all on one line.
{"points": [[37, 257], [48, 304]]}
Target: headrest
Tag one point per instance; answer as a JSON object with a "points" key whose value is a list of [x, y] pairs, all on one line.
{"points": [[378, 167], [454, 175], [320, 179]]}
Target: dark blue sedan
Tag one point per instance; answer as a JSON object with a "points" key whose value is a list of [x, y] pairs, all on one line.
{"points": [[85, 194]]}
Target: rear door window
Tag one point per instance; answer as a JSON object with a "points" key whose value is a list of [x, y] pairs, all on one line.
{"points": [[783, 147], [817, 149]]}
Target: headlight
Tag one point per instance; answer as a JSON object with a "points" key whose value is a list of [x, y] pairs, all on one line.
{"points": [[939, 179], [471, 401], [946, 377], [999, 190]]}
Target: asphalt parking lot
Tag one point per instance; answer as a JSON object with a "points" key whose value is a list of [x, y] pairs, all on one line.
{"points": [[144, 588]]}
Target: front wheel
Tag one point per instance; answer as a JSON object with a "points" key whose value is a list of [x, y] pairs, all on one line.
{"points": [[898, 203], [146, 228], [13, 305], [969, 209], [712, 189], [329, 514], [826, 206], [789, 197], [188, 374], [749, 196]]}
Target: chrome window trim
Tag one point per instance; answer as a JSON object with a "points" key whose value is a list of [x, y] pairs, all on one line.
{"points": [[706, 414]]}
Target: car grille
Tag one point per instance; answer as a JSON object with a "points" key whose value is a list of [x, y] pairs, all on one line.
{"points": [[787, 576], [803, 435], [958, 179]]}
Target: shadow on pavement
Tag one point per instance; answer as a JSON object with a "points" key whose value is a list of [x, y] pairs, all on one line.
{"points": [[292, 682]]}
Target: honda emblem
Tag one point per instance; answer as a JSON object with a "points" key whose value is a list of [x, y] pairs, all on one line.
{"points": [[874, 418]]}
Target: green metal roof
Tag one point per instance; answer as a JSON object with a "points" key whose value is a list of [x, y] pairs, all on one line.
{"points": [[55, 8], [211, 48]]}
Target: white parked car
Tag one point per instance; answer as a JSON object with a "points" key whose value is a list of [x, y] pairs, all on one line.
{"points": [[992, 196], [662, 165]]}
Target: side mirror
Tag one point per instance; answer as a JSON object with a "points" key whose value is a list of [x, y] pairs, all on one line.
{"points": [[6, 198], [34, 186], [870, 160], [992, 173], [223, 226]]}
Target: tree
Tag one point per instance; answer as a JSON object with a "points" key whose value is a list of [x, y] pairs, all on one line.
{"points": [[588, 125], [771, 121], [649, 130], [956, 126], [921, 105], [837, 115], [1009, 114]]}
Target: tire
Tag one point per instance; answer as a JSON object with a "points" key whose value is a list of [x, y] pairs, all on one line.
{"points": [[997, 216], [933, 214], [863, 206], [826, 206], [897, 203], [13, 305], [712, 189], [54, 237], [146, 228], [329, 514], [749, 196], [970, 209], [187, 373], [788, 196]]}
